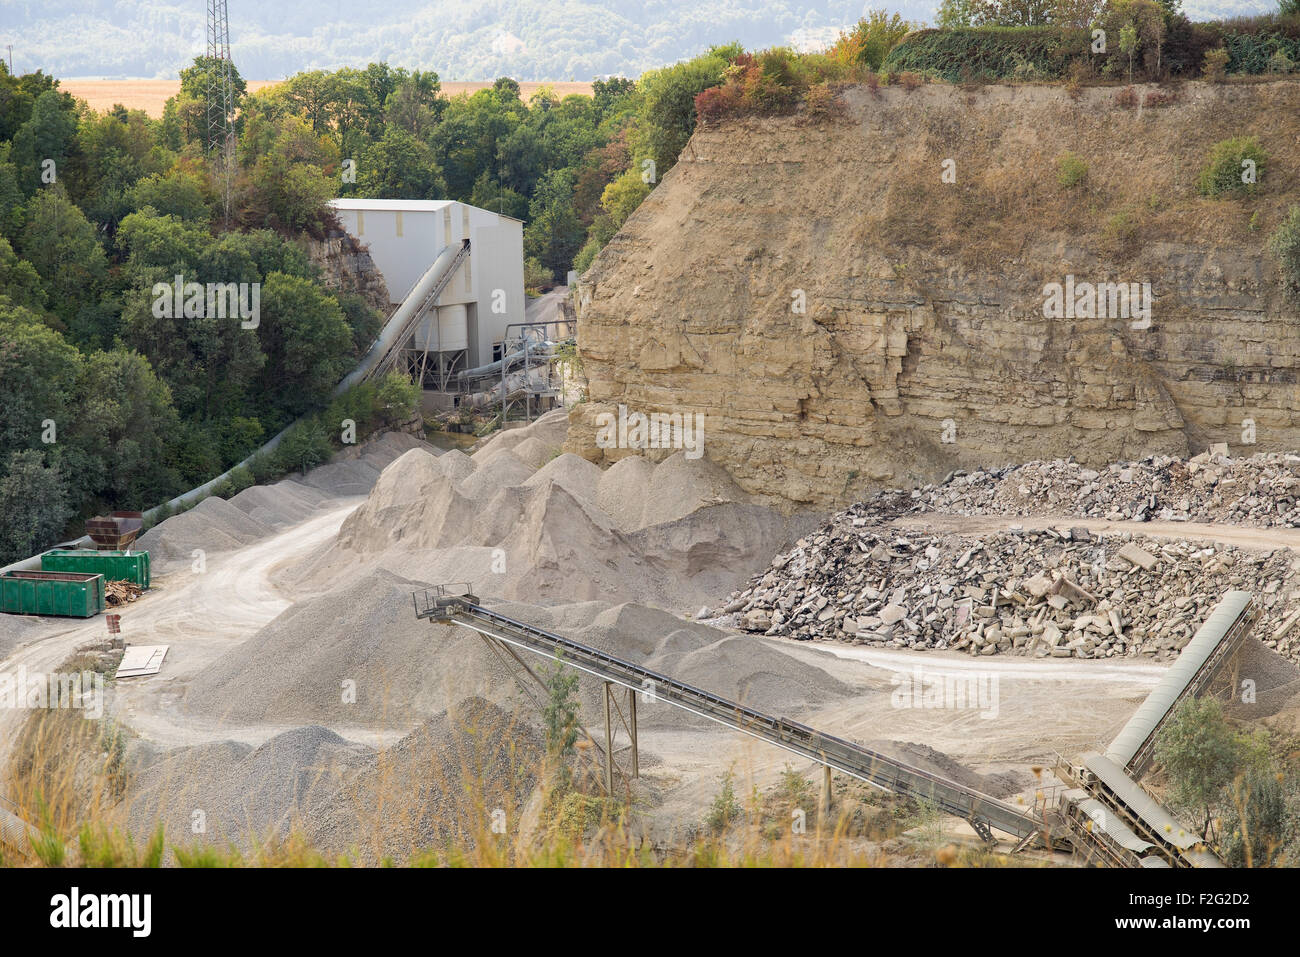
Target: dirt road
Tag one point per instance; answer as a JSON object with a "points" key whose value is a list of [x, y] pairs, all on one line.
{"points": [[200, 615], [1239, 535]]}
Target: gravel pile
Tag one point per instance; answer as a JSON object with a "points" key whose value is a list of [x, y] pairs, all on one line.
{"points": [[217, 525], [1263, 491], [1061, 592], [365, 638], [214, 525], [675, 534], [354, 657], [433, 786], [437, 787], [280, 505], [240, 792]]}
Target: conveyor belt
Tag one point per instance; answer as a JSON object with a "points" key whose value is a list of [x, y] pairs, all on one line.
{"points": [[1216, 641], [14, 830], [865, 765]]}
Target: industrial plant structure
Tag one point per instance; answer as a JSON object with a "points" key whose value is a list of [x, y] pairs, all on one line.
{"points": [[455, 271]]}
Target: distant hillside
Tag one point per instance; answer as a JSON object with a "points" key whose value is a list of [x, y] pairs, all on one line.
{"points": [[526, 39]]}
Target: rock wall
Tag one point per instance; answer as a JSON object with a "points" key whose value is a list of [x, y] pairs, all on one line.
{"points": [[346, 266], [846, 316]]}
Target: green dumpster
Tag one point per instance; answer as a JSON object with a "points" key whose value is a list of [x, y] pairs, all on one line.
{"points": [[73, 594], [113, 565]]}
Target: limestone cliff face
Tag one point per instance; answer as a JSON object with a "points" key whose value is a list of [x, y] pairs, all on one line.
{"points": [[346, 266], [922, 345]]}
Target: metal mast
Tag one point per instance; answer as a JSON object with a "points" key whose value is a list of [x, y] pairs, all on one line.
{"points": [[221, 97]]}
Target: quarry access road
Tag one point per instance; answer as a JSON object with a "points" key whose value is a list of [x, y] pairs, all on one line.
{"points": [[200, 615], [1240, 536]]}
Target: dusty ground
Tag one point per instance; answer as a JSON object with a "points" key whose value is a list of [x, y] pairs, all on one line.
{"points": [[152, 95], [284, 608]]}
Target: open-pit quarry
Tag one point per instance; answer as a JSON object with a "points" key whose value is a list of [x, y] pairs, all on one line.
{"points": [[302, 694], [934, 559]]}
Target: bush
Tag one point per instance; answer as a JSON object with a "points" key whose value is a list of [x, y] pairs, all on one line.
{"points": [[240, 478], [586, 255], [667, 112], [871, 39], [1127, 98], [1226, 169], [1285, 244], [725, 808], [1215, 65], [766, 83], [1259, 823], [1259, 53], [989, 53], [263, 468], [536, 275], [1070, 170], [303, 447], [396, 399], [821, 101]]}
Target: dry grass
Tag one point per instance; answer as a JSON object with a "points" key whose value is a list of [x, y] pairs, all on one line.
{"points": [[67, 778]]}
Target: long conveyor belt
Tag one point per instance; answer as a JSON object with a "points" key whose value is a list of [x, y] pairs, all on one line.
{"points": [[869, 766]]}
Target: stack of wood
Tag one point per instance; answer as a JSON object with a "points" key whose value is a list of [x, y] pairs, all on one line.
{"points": [[121, 592]]}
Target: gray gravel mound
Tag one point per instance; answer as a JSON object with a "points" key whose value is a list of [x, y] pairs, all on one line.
{"points": [[243, 793], [364, 634]]}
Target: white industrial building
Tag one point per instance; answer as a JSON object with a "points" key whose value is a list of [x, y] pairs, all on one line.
{"points": [[464, 324]]}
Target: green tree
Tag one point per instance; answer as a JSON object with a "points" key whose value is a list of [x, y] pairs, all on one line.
{"points": [[35, 503], [953, 14], [19, 280], [400, 166], [415, 104], [177, 193], [1285, 244], [49, 136], [38, 376], [1141, 28], [560, 718], [114, 151], [554, 235], [489, 194], [11, 197], [878, 32], [205, 71], [623, 196], [307, 342], [304, 447], [1200, 753], [1128, 45], [666, 118], [119, 436], [62, 245]]}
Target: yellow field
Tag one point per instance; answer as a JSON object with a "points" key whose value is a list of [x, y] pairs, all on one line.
{"points": [[150, 95]]}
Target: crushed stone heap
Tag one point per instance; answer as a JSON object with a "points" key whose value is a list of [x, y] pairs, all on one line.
{"points": [[1261, 491], [1062, 592]]}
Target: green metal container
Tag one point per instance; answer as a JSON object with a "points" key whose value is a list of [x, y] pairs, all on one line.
{"points": [[73, 594], [114, 566]]}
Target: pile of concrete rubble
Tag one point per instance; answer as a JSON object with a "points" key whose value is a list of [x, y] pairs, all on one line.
{"points": [[1057, 591], [1263, 490]]}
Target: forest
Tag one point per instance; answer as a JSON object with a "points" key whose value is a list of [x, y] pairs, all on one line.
{"points": [[109, 402]]}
